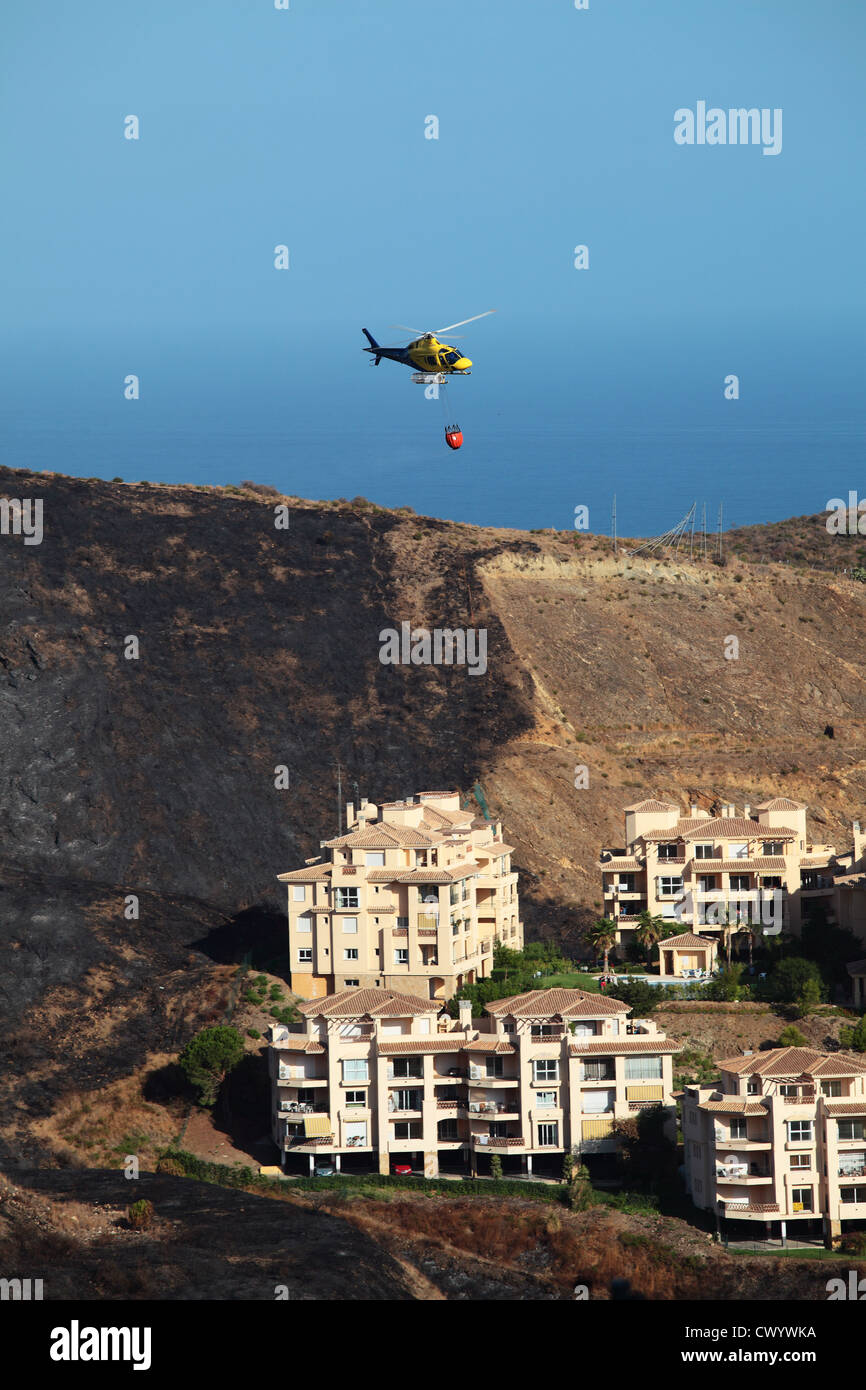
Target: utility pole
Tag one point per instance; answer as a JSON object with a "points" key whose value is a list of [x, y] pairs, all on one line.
{"points": [[613, 524], [720, 530]]}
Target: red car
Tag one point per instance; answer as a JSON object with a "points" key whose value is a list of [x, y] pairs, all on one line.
{"points": [[402, 1168]]}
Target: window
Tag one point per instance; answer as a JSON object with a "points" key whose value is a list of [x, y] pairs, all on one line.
{"points": [[545, 1030], [350, 953], [697, 1150], [350, 984], [799, 1131], [643, 1068], [831, 1088], [738, 851], [546, 1100], [771, 881], [401, 955], [669, 887], [597, 1102], [801, 1198], [739, 883], [704, 852], [738, 1127], [407, 1100], [601, 1070], [548, 1136], [306, 1096], [773, 847], [408, 1129], [305, 953], [801, 1160], [305, 923], [455, 928], [493, 1066], [626, 883], [583, 1030], [346, 897], [668, 851], [375, 859], [448, 1130], [851, 1129], [356, 1097], [298, 892], [853, 1194], [754, 1086], [408, 1066], [350, 925], [355, 1069], [707, 883], [545, 1070], [402, 921]]}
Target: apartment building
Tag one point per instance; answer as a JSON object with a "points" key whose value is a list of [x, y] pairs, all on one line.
{"points": [[413, 897], [373, 1077], [761, 867], [782, 1138]]}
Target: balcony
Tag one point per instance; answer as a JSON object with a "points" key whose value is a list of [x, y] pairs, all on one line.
{"points": [[481, 1078], [491, 1108], [297, 1078], [742, 1172], [427, 921], [487, 1141], [554, 1033]]}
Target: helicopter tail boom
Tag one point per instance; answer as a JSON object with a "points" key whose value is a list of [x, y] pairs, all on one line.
{"points": [[374, 346]]}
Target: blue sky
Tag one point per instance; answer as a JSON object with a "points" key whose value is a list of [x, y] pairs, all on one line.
{"points": [[306, 127]]}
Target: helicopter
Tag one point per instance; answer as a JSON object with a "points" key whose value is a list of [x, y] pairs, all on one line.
{"points": [[432, 360]]}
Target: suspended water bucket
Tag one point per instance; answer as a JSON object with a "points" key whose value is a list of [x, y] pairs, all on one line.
{"points": [[453, 436]]}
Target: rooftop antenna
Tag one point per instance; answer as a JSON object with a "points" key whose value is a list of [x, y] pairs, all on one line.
{"points": [[613, 524]]}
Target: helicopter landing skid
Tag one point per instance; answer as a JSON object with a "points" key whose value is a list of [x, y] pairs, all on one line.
{"points": [[429, 378]]}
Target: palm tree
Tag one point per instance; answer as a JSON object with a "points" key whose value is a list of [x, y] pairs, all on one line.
{"points": [[649, 930], [602, 936]]}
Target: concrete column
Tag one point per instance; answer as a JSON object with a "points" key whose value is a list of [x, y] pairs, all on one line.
{"points": [[312, 1162], [784, 1232], [383, 1163], [337, 1162], [529, 1165], [832, 1231]]}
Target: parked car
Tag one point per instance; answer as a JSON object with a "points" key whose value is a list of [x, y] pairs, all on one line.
{"points": [[324, 1170], [403, 1169]]}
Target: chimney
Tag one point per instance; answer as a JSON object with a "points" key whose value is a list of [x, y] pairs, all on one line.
{"points": [[465, 1013], [694, 809], [747, 810], [350, 815]]}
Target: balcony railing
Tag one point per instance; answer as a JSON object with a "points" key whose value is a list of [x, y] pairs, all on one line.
{"points": [[492, 1141]]}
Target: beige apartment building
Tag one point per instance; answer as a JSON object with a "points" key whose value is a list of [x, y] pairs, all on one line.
{"points": [[378, 1078], [413, 897], [782, 1138], [762, 866]]}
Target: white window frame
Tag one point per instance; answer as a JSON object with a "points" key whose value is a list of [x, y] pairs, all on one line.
{"points": [[355, 1070], [350, 953], [350, 926], [548, 1135], [299, 893], [305, 954]]}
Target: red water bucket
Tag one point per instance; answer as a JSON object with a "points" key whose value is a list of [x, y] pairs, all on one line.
{"points": [[454, 438]]}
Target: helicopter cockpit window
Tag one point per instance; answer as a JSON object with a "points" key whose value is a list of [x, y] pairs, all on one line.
{"points": [[452, 356]]}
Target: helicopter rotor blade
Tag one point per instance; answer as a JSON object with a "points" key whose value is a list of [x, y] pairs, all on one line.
{"points": [[449, 326], [404, 327]]}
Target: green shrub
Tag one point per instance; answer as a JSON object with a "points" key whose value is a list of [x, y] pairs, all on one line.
{"points": [[253, 1033], [140, 1214], [792, 1037]]}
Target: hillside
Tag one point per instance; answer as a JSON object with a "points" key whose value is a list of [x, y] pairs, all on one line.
{"points": [[258, 648]]}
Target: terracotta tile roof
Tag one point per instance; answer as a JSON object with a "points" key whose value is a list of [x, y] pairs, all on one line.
{"points": [[652, 805], [397, 1046], [733, 1107], [382, 875], [496, 851], [816, 861], [625, 863], [368, 1003], [781, 803], [766, 864], [735, 1203], [423, 796], [740, 828], [687, 938], [317, 874], [498, 1045], [612, 1047], [847, 1107], [675, 832], [794, 1062], [557, 1003], [297, 1042], [452, 875], [409, 837]]}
